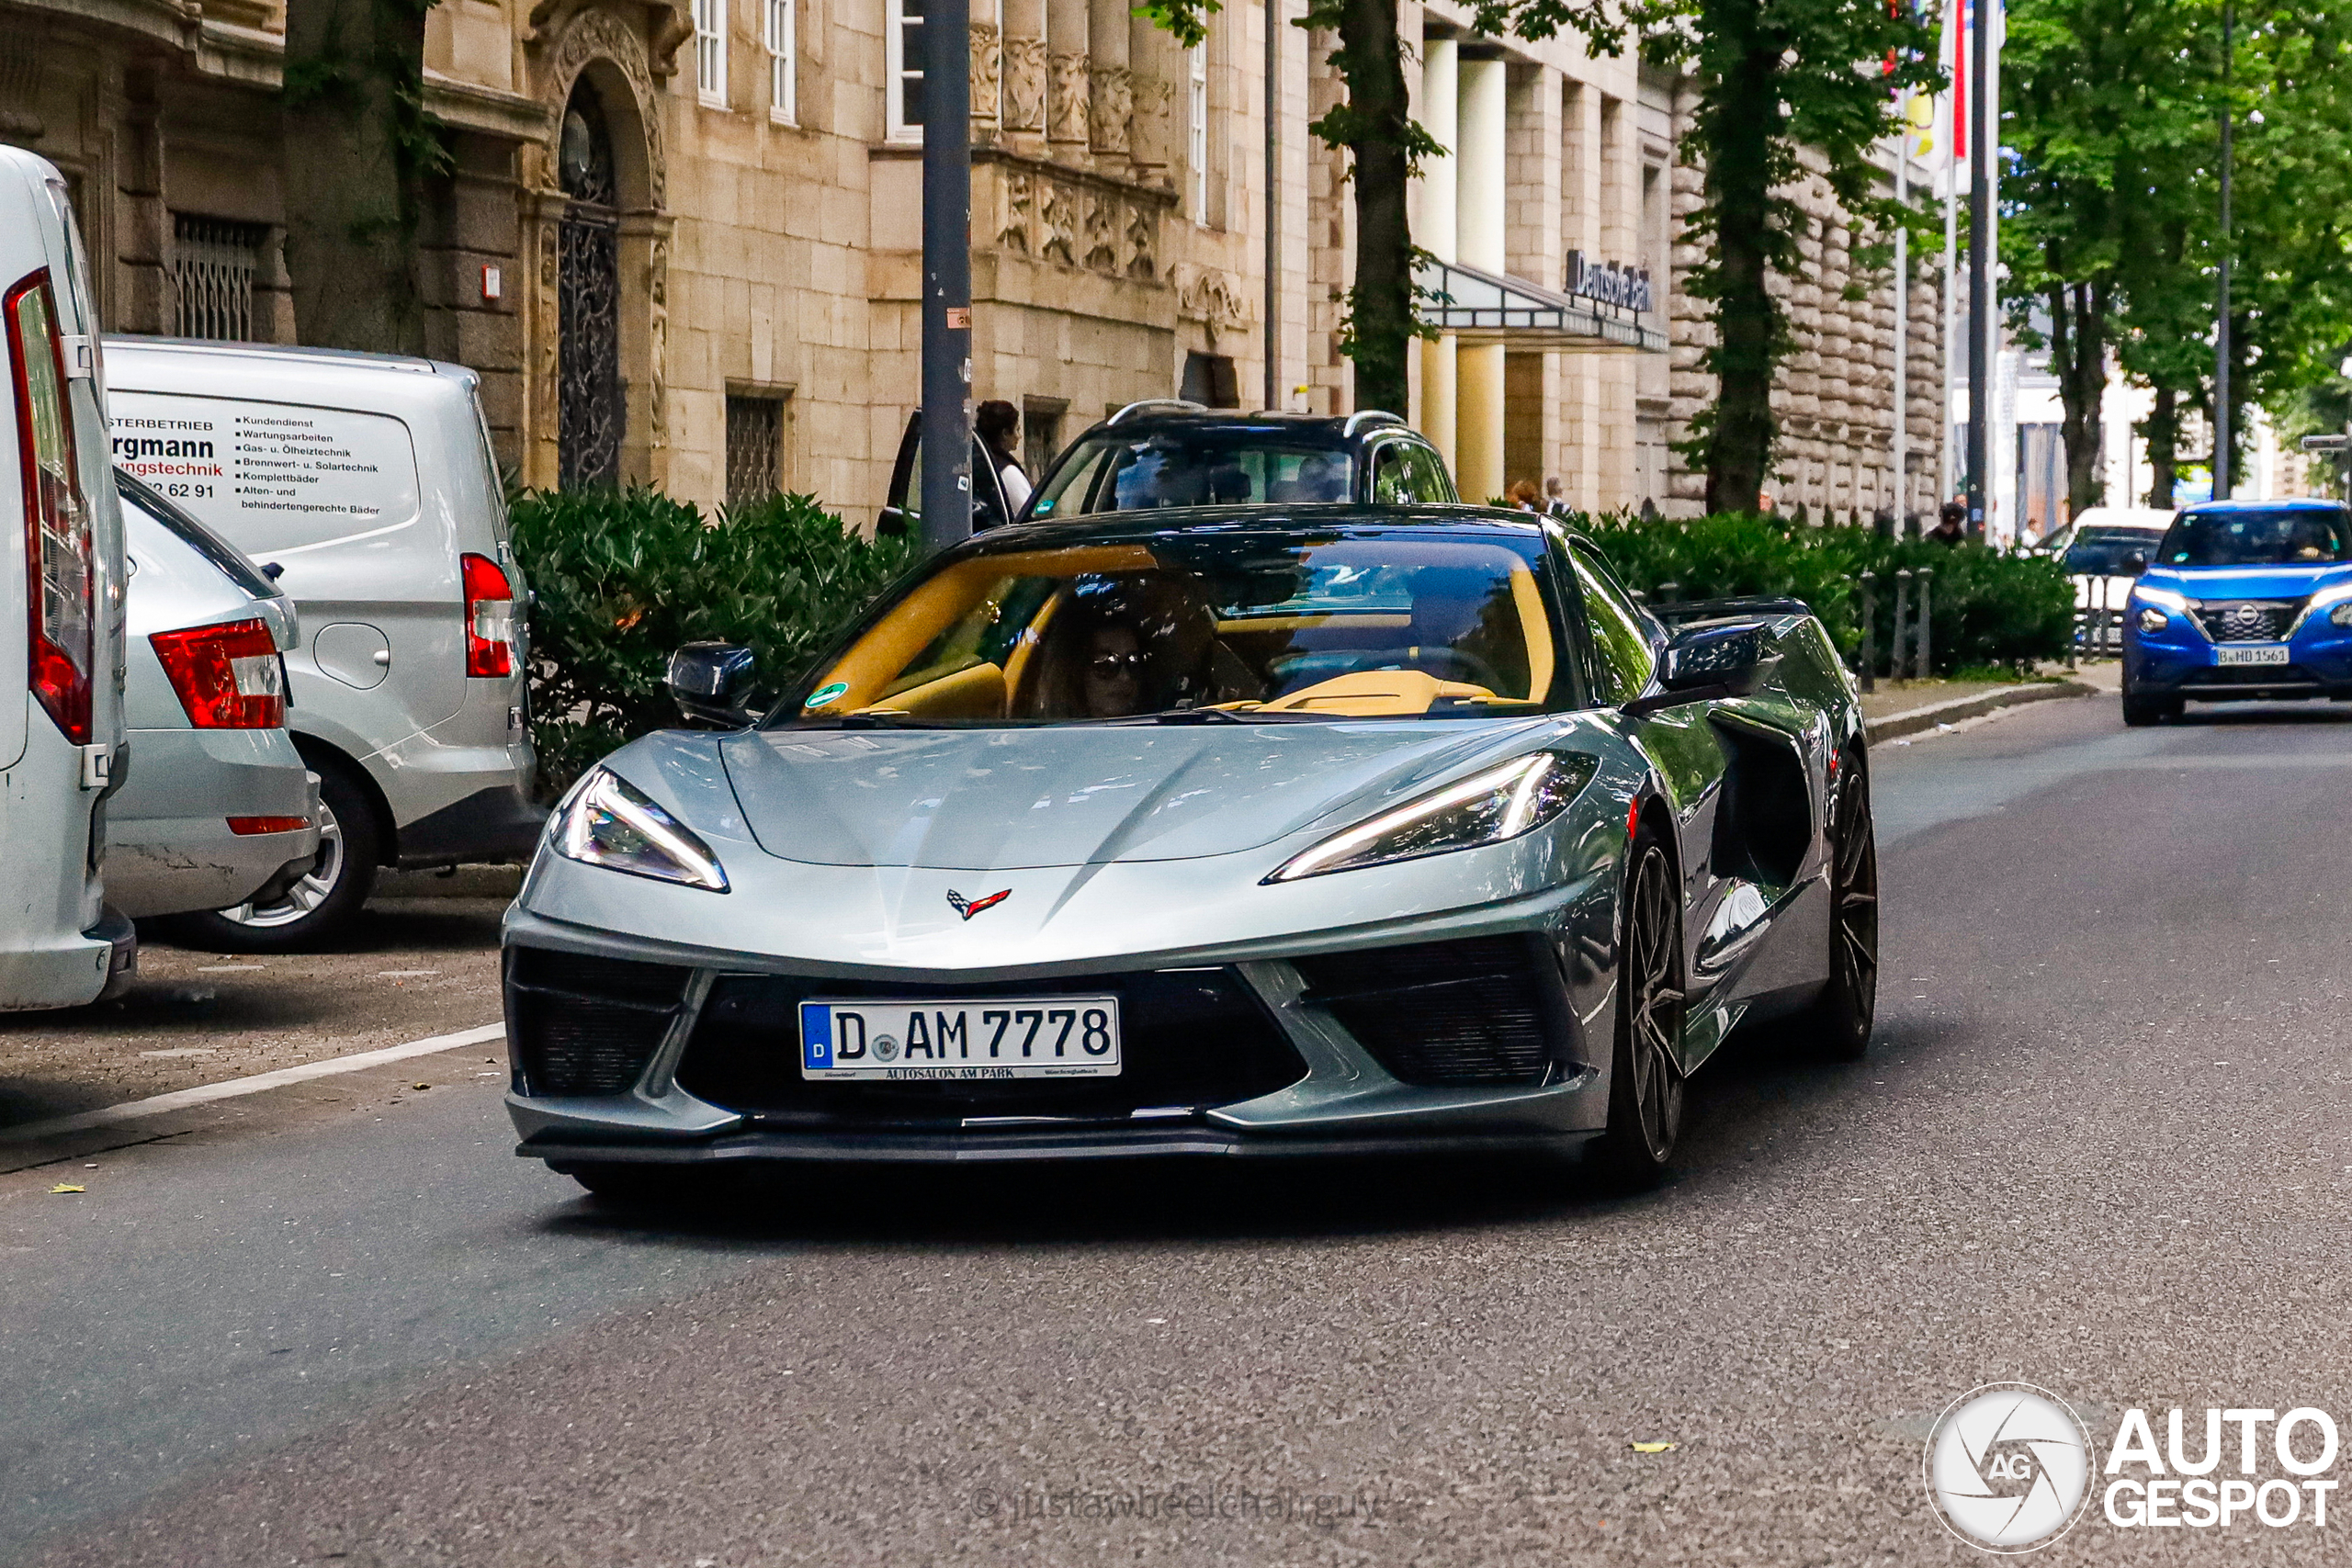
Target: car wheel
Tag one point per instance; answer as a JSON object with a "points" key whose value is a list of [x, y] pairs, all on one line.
{"points": [[327, 897], [2139, 710], [1841, 1020], [1645, 1080]]}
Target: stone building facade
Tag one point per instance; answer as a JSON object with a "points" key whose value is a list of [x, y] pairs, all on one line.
{"points": [[680, 238]]}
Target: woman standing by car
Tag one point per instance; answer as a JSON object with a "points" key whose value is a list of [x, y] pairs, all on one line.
{"points": [[997, 424]]}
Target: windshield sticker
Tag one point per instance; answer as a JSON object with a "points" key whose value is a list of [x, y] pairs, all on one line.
{"points": [[824, 694]]}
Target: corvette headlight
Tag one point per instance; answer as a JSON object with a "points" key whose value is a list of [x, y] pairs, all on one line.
{"points": [[1485, 809], [2151, 619], [606, 822]]}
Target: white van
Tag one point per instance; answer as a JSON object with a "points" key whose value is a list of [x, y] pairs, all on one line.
{"points": [[365, 484], [60, 624]]}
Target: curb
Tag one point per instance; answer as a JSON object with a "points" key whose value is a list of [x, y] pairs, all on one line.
{"points": [[1895, 726]]}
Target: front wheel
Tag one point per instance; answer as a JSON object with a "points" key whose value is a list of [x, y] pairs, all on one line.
{"points": [[1841, 1020], [2140, 710], [1645, 1077]]}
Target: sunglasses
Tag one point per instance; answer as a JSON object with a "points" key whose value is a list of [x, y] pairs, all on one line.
{"points": [[1115, 664]]}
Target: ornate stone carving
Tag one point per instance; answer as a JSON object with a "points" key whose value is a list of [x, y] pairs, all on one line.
{"points": [[1147, 134], [1103, 232], [1143, 241], [985, 103], [1067, 108], [1208, 294], [657, 298], [1025, 84], [1113, 100], [1057, 230], [1020, 212], [601, 35]]}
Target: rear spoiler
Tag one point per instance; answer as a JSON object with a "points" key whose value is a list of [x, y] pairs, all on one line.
{"points": [[1674, 612]]}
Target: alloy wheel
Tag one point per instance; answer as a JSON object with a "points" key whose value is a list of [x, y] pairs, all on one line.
{"points": [[316, 886], [1852, 998], [1654, 1001]]}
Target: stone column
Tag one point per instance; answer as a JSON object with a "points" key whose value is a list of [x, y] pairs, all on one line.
{"points": [[1440, 115], [1112, 84], [1480, 240], [1154, 62], [144, 300], [1068, 92], [1024, 75]]}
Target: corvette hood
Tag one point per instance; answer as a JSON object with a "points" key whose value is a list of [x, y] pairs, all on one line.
{"points": [[2246, 582], [1004, 799]]}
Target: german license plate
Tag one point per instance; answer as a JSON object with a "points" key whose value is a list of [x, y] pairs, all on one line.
{"points": [[1003, 1037], [2252, 653]]}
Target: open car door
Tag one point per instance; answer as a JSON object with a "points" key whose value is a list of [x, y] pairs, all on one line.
{"points": [[902, 510]]}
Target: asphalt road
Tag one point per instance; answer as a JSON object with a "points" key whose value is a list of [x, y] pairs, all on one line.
{"points": [[2101, 1147]]}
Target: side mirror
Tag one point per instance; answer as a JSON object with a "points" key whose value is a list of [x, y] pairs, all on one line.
{"points": [[1709, 662], [708, 681], [2136, 562]]}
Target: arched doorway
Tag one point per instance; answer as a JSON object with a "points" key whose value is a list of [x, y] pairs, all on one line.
{"points": [[590, 412]]}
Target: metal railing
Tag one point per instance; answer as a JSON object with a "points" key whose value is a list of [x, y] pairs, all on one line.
{"points": [[1911, 651]]}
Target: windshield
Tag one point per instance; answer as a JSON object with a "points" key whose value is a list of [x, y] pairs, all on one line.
{"points": [[2284, 535], [1189, 627], [1185, 467], [2099, 552]]}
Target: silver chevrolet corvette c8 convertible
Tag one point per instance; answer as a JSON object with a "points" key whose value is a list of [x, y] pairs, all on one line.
{"points": [[1337, 830]]}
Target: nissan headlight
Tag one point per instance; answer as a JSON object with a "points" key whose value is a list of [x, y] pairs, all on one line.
{"points": [[605, 822], [1488, 807]]}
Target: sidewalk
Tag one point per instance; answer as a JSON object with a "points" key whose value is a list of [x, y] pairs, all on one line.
{"points": [[1912, 707]]}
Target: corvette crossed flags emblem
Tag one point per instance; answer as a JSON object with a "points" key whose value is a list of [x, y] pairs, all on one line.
{"points": [[967, 907]]}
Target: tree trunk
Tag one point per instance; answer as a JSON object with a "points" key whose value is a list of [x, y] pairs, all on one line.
{"points": [[2078, 359], [1371, 57], [1748, 319], [355, 144], [2162, 431]]}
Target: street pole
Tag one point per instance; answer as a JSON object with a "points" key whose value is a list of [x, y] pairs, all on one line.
{"points": [[2221, 308], [1980, 264], [1903, 317], [1274, 204], [1944, 455], [947, 274]]}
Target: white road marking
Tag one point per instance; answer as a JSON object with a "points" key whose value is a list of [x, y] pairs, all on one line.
{"points": [[227, 968], [180, 1099], [405, 973]]}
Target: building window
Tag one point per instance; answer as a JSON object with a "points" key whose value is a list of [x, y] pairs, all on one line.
{"points": [[213, 264], [710, 52], [1196, 129], [783, 94], [1209, 381], [1041, 436], [754, 449], [904, 62]]}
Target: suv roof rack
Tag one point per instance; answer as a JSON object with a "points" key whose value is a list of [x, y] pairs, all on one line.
{"points": [[1186, 405], [1364, 416]]}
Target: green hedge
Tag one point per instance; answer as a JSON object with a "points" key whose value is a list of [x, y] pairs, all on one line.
{"points": [[1986, 608], [623, 577]]}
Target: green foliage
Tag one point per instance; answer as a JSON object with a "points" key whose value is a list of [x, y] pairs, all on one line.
{"points": [[623, 577], [1985, 608]]}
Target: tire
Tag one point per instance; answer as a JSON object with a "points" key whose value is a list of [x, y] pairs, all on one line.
{"points": [[326, 901], [2140, 711], [1645, 1080], [1839, 1022]]}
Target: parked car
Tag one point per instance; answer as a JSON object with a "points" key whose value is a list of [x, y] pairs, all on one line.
{"points": [[1232, 833], [2242, 600], [61, 600], [1171, 454], [368, 482], [222, 809], [2096, 555]]}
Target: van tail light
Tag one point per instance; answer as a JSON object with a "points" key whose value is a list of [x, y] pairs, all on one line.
{"points": [[228, 676], [60, 561], [490, 617]]}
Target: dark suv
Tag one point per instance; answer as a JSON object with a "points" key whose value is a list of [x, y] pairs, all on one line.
{"points": [[1170, 454]]}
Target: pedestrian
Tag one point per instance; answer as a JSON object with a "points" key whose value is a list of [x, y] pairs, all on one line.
{"points": [[1952, 525], [1555, 497], [998, 425], [1522, 495]]}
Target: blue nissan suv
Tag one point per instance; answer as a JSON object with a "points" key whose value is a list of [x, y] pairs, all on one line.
{"points": [[2243, 601]]}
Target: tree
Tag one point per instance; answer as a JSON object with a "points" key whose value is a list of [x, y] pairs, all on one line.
{"points": [[358, 146]]}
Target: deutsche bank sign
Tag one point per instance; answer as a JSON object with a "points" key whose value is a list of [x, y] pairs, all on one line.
{"points": [[1626, 287]]}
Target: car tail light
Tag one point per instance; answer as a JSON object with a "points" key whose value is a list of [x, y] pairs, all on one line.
{"points": [[228, 676], [61, 570], [246, 826], [490, 617]]}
